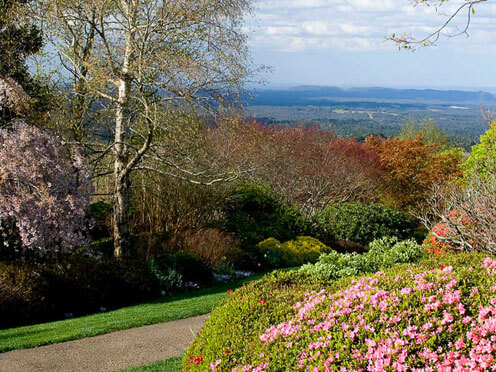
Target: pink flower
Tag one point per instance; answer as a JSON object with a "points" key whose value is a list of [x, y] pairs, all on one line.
{"points": [[214, 366], [459, 344]]}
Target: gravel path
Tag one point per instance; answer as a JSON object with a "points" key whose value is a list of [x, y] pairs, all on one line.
{"points": [[113, 351]]}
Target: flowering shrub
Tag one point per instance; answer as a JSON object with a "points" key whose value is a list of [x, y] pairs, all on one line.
{"points": [[13, 99], [441, 238], [463, 217], [409, 318], [296, 252], [243, 316], [44, 191]]}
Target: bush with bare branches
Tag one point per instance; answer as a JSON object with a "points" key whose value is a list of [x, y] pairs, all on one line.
{"points": [[463, 218]]}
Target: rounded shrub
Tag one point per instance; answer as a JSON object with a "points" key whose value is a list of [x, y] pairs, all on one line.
{"points": [[362, 223], [254, 213], [439, 315], [303, 249]]}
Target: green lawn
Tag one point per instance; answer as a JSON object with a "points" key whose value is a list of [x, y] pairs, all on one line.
{"points": [[168, 365], [170, 308]]}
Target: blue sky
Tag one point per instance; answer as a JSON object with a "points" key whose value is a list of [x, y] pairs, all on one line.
{"points": [[342, 42]]}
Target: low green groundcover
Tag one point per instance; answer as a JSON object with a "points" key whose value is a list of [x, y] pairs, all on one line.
{"points": [[437, 315], [169, 365]]}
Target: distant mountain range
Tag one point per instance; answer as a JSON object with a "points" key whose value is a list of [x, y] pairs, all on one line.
{"points": [[322, 95]]}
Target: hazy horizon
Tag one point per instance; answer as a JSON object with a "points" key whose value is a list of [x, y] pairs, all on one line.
{"points": [[282, 86], [342, 43]]}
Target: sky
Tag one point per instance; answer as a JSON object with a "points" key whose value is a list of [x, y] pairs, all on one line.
{"points": [[342, 43]]}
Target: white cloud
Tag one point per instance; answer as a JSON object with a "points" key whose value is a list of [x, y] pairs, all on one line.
{"points": [[311, 25]]}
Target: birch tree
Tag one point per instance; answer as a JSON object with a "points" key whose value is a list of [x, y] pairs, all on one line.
{"points": [[463, 10], [139, 67]]}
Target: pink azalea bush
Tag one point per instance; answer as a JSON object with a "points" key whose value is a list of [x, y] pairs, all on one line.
{"points": [[44, 191], [411, 318]]}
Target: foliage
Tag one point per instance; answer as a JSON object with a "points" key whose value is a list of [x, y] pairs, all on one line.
{"points": [[482, 159], [303, 249], [361, 223], [162, 203], [412, 167], [383, 253], [440, 312], [212, 246], [189, 267], [254, 213], [235, 324], [77, 285], [44, 191], [307, 167], [170, 280], [99, 215], [144, 245], [19, 40], [427, 130], [463, 217]]}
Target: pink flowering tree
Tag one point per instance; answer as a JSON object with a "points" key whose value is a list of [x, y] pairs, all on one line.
{"points": [[44, 191]]}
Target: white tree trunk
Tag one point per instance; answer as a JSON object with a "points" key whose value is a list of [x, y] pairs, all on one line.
{"points": [[121, 148]]}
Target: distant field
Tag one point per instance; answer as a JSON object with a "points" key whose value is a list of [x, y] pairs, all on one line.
{"points": [[360, 119]]}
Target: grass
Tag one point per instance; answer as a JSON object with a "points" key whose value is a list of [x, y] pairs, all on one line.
{"points": [[168, 365], [181, 306]]}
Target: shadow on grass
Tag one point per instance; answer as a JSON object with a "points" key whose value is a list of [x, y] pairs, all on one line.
{"points": [[189, 304]]}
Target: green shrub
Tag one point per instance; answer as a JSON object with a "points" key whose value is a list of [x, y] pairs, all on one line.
{"points": [[188, 266], [383, 253], [389, 251], [271, 251], [169, 278], [100, 215], [254, 213], [284, 319], [102, 247], [24, 294], [34, 292], [303, 249], [362, 223]]}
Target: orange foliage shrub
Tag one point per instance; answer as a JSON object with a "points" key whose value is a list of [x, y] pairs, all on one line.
{"points": [[411, 168], [442, 238]]}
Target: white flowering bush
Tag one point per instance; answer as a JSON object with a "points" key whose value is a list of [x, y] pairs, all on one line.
{"points": [[44, 191], [13, 99]]}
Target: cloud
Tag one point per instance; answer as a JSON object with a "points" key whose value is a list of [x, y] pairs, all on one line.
{"points": [[312, 25]]}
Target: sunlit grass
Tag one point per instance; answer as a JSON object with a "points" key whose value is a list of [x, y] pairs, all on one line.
{"points": [[166, 309]]}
